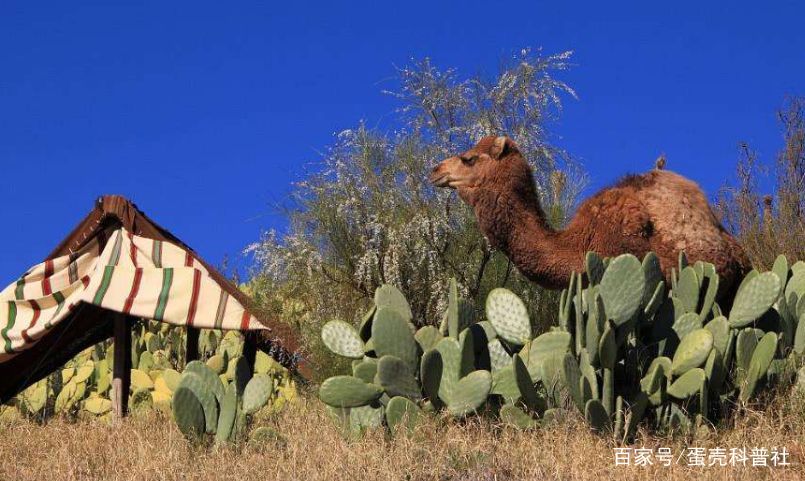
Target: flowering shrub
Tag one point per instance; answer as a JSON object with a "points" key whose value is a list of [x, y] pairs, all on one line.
{"points": [[368, 217]]}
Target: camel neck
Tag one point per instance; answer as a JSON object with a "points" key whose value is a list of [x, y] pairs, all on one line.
{"points": [[518, 227]]}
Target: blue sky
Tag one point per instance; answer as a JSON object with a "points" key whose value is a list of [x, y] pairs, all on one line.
{"points": [[205, 112]]}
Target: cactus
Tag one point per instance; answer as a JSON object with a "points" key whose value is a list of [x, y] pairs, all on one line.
{"points": [[759, 364], [366, 417], [573, 380], [393, 335], [543, 347], [594, 267], [389, 297], [396, 378], [348, 392], [622, 288], [687, 289], [427, 337], [205, 395], [686, 324], [431, 375], [514, 416], [508, 316], [257, 393], [755, 296], [469, 393], [402, 413], [692, 351], [342, 339], [799, 337], [688, 384], [597, 416], [366, 370], [97, 405], [209, 378], [498, 356], [608, 326], [188, 413], [720, 329], [528, 393]]}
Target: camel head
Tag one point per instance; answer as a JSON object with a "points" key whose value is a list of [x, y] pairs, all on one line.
{"points": [[493, 166]]}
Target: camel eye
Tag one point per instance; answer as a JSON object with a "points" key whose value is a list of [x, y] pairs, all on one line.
{"points": [[470, 161]]}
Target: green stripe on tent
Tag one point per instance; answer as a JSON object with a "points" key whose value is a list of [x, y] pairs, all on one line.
{"points": [[162, 302], [12, 318], [19, 291], [156, 253], [107, 279], [59, 297], [115, 258]]}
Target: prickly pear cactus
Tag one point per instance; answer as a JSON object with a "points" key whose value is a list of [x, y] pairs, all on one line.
{"points": [[509, 316], [342, 339]]}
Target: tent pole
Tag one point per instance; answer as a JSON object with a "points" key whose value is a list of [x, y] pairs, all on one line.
{"points": [[121, 368], [191, 349], [250, 349]]}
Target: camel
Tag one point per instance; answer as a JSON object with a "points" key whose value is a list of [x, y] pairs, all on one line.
{"points": [[658, 211]]}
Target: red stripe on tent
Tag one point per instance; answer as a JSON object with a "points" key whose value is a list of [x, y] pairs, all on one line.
{"points": [[46, 290], [132, 249], [244, 321], [188, 259], [135, 288], [37, 311], [191, 311]]}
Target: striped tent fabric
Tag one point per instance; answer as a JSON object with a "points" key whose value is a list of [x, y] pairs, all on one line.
{"points": [[137, 276]]}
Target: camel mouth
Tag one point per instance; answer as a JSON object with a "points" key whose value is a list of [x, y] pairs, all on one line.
{"points": [[441, 180]]}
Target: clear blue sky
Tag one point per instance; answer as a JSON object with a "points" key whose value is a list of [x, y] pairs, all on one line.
{"points": [[205, 112]]}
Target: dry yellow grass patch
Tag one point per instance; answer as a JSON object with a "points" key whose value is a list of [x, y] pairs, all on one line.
{"points": [[151, 448]]}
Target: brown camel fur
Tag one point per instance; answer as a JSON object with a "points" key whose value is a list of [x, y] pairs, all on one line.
{"points": [[657, 211]]}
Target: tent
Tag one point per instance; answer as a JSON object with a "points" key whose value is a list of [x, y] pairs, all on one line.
{"points": [[116, 266]]}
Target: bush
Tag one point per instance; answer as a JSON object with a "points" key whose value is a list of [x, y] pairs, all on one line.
{"points": [[775, 222], [368, 217]]}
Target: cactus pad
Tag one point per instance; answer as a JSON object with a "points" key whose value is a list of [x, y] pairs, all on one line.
{"points": [[692, 351], [366, 370], [257, 393], [342, 339], [469, 393], [526, 386], [348, 392], [544, 346], [622, 288], [428, 337], [688, 384], [393, 335], [430, 374], [402, 413], [514, 416], [396, 378], [188, 413], [498, 356], [508, 316], [388, 296], [203, 392], [597, 416], [687, 289], [754, 298]]}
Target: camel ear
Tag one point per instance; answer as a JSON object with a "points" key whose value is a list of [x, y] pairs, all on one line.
{"points": [[502, 147]]}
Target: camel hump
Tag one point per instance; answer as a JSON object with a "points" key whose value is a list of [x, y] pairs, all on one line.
{"points": [[681, 215]]}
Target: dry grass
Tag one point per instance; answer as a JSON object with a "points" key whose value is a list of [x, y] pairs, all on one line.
{"points": [[151, 448]]}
